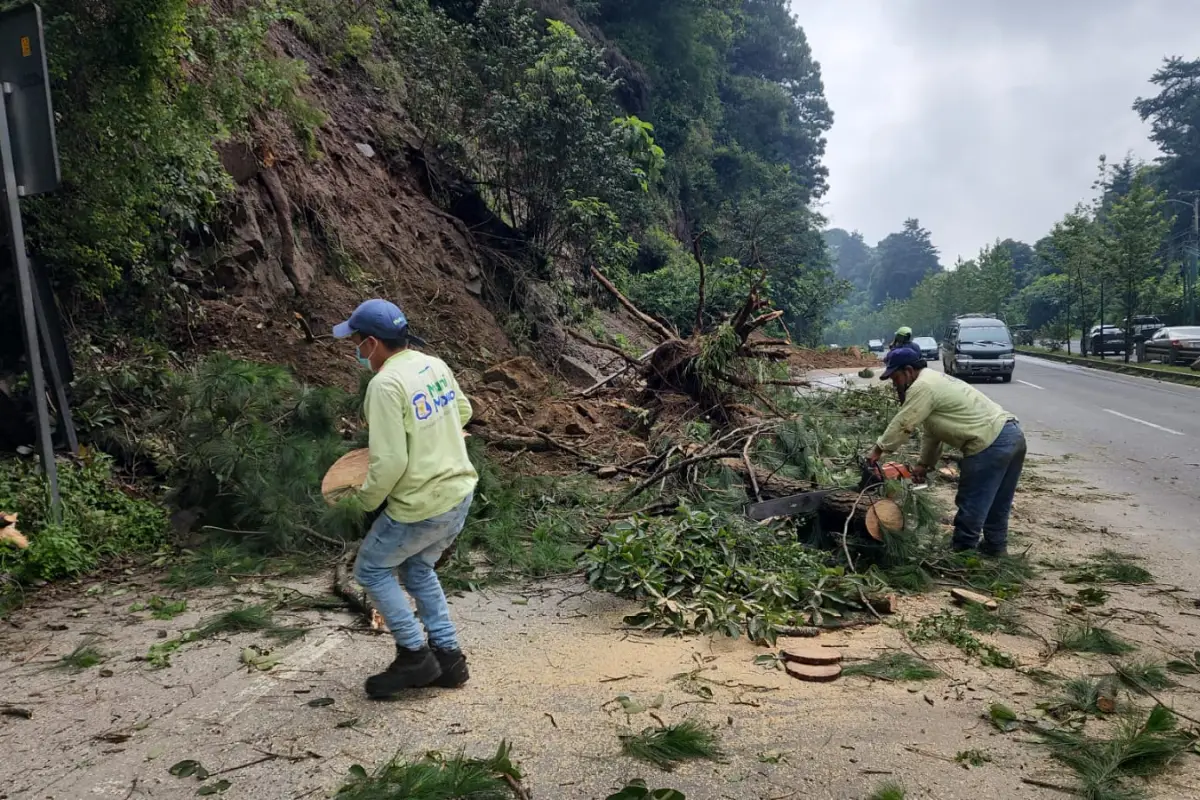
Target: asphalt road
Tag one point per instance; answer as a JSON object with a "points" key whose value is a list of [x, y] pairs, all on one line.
{"points": [[1134, 438]]}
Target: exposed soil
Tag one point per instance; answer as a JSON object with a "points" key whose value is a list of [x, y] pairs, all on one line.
{"points": [[547, 661]]}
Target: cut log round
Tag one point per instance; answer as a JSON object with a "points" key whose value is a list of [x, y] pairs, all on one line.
{"points": [[812, 656], [814, 673], [884, 516], [345, 476]]}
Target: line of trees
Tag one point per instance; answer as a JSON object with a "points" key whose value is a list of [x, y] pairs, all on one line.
{"points": [[1126, 252]]}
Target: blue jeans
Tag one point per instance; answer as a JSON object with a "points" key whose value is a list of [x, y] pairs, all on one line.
{"points": [[986, 485], [411, 549]]}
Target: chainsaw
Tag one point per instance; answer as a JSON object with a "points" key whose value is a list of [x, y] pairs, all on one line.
{"points": [[873, 474]]}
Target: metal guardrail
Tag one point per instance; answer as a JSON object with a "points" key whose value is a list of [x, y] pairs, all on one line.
{"points": [[1120, 367]]}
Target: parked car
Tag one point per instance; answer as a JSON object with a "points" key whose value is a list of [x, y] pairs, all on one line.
{"points": [[1104, 339], [1174, 345], [1142, 328], [876, 346], [929, 347], [978, 347]]}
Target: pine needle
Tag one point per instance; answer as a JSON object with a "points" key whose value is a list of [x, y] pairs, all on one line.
{"points": [[437, 778], [1086, 638], [1095, 696], [1141, 748], [1142, 675], [83, 657], [247, 619], [895, 666], [666, 747], [888, 791]]}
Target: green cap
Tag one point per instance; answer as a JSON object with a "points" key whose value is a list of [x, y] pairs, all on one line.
{"points": [[905, 331]]}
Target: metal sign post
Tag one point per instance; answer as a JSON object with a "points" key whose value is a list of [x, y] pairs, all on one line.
{"points": [[29, 160]]}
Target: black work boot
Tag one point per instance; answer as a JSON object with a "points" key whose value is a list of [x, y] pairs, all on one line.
{"points": [[410, 670], [454, 668]]}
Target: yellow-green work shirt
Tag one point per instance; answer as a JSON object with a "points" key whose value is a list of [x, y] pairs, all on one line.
{"points": [[951, 412], [415, 416]]}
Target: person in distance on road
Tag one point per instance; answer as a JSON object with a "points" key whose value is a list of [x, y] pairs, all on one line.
{"points": [[903, 337], [415, 414], [956, 414]]}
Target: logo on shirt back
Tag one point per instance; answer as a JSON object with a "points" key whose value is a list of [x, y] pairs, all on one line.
{"points": [[433, 399]]}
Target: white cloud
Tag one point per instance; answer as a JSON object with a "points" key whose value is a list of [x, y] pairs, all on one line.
{"points": [[983, 119]]}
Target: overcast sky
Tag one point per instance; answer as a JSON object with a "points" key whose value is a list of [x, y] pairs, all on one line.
{"points": [[983, 118]]}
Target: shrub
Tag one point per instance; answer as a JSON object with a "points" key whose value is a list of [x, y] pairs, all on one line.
{"points": [[254, 445], [100, 519]]}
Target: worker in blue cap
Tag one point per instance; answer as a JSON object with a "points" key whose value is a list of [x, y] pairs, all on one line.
{"points": [[419, 466], [959, 415]]}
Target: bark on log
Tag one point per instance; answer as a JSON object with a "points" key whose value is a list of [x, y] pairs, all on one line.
{"points": [[283, 219]]}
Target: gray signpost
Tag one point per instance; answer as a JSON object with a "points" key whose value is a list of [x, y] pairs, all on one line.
{"points": [[29, 159]]}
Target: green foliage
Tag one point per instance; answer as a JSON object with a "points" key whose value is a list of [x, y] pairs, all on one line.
{"points": [[101, 518], [1144, 675], [669, 746], [1109, 567], [1141, 748], [905, 259], [889, 790], [160, 608], [255, 444], [638, 790], [84, 656], [246, 619], [142, 89], [1086, 696], [972, 758], [436, 777], [524, 526], [952, 628], [1086, 638], [895, 666], [697, 572]]}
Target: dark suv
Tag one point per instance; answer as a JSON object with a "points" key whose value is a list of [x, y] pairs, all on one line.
{"points": [[978, 347]]}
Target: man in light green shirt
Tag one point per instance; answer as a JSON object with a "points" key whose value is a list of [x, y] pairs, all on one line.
{"points": [[415, 414], [953, 413]]}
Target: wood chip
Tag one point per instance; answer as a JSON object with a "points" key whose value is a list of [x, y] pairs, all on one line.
{"points": [[813, 672], [961, 596], [884, 516], [348, 473], [813, 656]]}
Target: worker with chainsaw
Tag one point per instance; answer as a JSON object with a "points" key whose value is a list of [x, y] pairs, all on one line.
{"points": [[415, 414], [956, 414]]}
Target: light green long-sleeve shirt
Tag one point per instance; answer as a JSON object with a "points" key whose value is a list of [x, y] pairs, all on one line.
{"points": [[415, 415], [951, 412]]}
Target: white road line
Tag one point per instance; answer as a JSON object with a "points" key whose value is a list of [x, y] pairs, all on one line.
{"points": [[1027, 383], [1143, 422]]}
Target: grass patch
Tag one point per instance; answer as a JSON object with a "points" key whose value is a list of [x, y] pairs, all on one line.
{"points": [[1003, 577], [435, 777], [895, 666], [667, 747], [888, 791], [1091, 596], [85, 656], [1087, 638], [1142, 748], [247, 619]]}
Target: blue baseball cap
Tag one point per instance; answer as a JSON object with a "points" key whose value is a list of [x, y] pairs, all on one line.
{"points": [[379, 318], [899, 358]]}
